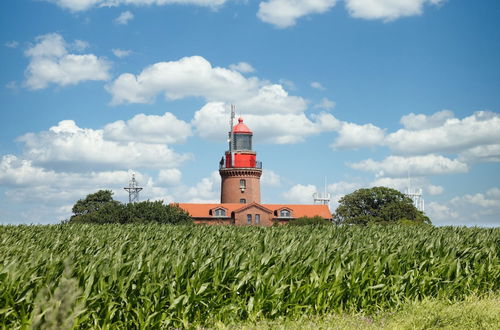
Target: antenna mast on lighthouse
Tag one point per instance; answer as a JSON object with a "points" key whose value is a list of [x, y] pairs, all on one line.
{"points": [[231, 134]]}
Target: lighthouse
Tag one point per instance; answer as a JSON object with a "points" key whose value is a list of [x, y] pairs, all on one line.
{"points": [[239, 169]]}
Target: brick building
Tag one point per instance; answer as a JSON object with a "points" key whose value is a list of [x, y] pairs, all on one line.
{"points": [[240, 190]]}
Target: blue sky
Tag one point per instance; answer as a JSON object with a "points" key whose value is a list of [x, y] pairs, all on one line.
{"points": [[362, 92]]}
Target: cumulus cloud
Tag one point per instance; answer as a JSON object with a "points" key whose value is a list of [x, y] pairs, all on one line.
{"points": [[170, 176], [81, 5], [387, 10], [285, 13], [121, 53], [300, 194], [195, 77], [12, 44], [481, 209], [207, 190], [270, 178], [325, 104], [148, 129], [242, 67], [443, 133], [124, 18], [211, 122], [396, 166], [68, 146], [50, 63], [354, 136], [317, 85]]}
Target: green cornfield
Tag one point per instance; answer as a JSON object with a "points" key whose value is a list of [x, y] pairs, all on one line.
{"points": [[162, 276]]}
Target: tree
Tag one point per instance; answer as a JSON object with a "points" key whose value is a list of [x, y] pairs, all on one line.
{"points": [[378, 205], [100, 207], [303, 221]]}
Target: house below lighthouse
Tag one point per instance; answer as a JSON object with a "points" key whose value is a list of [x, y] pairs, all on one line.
{"points": [[240, 190]]}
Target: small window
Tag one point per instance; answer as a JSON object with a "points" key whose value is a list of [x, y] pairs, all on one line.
{"points": [[220, 213], [257, 219], [284, 214], [243, 184], [243, 201], [249, 219]]}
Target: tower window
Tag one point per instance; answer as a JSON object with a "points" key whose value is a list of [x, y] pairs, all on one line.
{"points": [[243, 201], [257, 219], [284, 214], [249, 219], [220, 213], [243, 184]]}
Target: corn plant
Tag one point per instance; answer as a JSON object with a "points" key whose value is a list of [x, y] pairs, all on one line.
{"points": [[150, 276]]}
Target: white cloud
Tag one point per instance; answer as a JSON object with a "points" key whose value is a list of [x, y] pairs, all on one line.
{"points": [[284, 13], [190, 76], [80, 45], [121, 53], [416, 122], [205, 191], [440, 213], [484, 153], [12, 44], [354, 136], [171, 176], [317, 85], [396, 166], [300, 194], [481, 209], [195, 77], [211, 122], [434, 190], [387, 10], [81, 5], [242, 67], [270, 178], [325, 104], [50, 63], [71, 147], [149, 129], [124, 18], [441, 133]]}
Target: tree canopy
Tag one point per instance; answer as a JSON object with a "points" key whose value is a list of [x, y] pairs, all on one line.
{"points": [[100, 207], [378, 205]]}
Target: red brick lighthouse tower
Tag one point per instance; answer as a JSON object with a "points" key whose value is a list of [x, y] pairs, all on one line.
{"points": [[239, 169]]}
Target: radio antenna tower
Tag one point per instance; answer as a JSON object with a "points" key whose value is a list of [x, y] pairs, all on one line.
{"points": [[133, 190], [415, 194], [322, 198], [231, 134]]}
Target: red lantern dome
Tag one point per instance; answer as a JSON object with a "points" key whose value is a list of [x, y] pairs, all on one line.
{"points": [[241, 128]]}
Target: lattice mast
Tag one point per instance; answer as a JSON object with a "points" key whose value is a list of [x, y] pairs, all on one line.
{"points": [[322, 198], [133, 190], [415, 194]]}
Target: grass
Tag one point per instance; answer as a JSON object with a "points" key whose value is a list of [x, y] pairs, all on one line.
{"points": [[471, 313]]}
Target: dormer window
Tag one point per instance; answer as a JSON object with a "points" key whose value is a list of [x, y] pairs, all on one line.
{"points": [[220, 213], [285, 213]]}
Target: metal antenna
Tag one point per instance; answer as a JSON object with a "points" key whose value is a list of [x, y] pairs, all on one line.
{"points": [[322, 198], [231, 137], [133, 190]]}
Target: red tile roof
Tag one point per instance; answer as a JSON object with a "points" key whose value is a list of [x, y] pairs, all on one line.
{"points": [[298, 210]]}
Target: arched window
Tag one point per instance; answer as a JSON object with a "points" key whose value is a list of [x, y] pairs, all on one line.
{"points": [[243, 184], [243, 201], [220, 213], [257, 219], [284, 214], [249, 219]]}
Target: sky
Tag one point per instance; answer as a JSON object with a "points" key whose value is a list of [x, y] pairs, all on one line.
{"points": [[340, 95]]}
